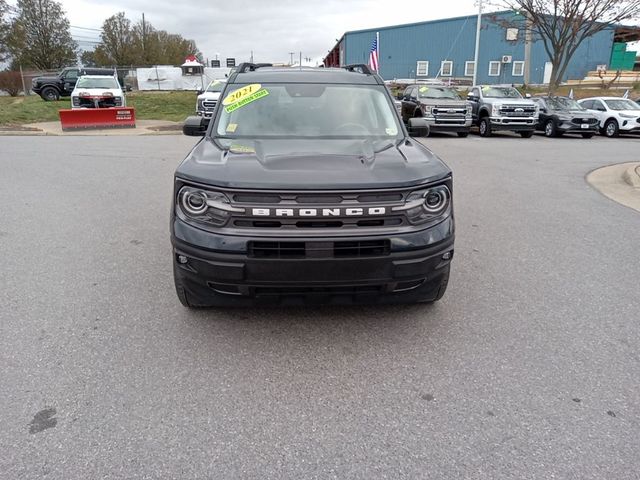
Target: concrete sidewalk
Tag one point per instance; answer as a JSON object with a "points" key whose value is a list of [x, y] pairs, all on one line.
{"points": [[143, 127], [620, 183]]}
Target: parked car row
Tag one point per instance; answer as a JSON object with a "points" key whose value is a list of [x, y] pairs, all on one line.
{"points": [[493, 108]]}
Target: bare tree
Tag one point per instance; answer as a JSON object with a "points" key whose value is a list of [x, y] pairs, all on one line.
{"points": [[562, 25], [40, 35]]}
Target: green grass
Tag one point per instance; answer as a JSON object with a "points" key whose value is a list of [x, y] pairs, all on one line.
{"points": [[173, 106]]}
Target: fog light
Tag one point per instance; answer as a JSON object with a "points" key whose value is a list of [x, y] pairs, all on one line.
{"points": [[446, 256], [182, 259]]}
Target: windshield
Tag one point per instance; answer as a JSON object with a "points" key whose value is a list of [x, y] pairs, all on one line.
{"points": [[622, 104], [563, 103], [500, 92], [95, 82], [307, 111], [215, 86], [438, 92]]}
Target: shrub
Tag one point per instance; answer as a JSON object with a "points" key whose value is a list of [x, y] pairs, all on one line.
{"points": [[11, 82]]}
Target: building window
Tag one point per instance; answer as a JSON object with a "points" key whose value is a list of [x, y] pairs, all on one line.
{"points": [[446, 68], [422, 69], [518, 69], [494, 69], [512, 34], [469, 69]]}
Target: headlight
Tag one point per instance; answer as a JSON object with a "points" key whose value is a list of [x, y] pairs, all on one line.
{"points": [[75, 101], [423, 206], [117, 101], [205, 206], [495, 110], [626, 115], [427, 110], [199, 105]]}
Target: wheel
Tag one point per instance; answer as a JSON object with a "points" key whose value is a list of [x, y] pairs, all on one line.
{"points": [[528, 134], [587, 135], [611, 128], [485, 127], [50, 94], [463, 134], [550, 129]]}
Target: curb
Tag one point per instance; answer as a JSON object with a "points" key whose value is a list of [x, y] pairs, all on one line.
{"points": [[632, 176]]}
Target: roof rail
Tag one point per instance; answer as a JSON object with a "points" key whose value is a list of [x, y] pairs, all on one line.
{"points": [[250, 67], [359, 68]]}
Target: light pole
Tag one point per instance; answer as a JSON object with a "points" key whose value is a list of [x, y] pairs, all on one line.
{"points": [[477, 53]]}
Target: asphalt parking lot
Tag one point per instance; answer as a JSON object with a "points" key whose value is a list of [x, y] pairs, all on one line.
{"points": [[528, 368]]}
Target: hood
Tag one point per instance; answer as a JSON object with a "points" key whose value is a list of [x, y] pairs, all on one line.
{"points": [[209, 96], [97, 92], [449, 102], [267, 167], [512, 101], [629, 112], [45, 79]]}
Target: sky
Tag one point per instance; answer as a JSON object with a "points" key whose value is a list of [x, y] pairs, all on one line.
{"points": [[271, 28]]}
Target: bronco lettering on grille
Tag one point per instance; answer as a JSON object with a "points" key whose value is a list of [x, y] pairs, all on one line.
{"points": [[317, 212]]}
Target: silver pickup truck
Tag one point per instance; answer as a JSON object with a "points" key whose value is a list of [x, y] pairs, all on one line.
{"points": [[442, 108], [497, 107]]}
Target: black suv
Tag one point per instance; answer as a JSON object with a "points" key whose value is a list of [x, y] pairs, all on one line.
{"points": [[307, 186], [560, 115], [52, 88]]}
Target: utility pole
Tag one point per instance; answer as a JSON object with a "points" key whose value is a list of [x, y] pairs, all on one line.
{"points": [[291, 54], [251, 60], [300, 64], [477, 54], [527, 50], [144, 39]]}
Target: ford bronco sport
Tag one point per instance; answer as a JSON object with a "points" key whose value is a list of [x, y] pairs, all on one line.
{"points": [[308, 187]]}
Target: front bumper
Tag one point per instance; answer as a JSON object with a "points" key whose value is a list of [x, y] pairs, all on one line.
{"points": [[568, 127], [631, 125], [514, 124], [223, 267], [449, 125]]}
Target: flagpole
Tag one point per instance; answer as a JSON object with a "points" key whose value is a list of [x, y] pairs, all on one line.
{"points": [[378, 47]]}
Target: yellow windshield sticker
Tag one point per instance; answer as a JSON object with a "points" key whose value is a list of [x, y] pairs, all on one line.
{"points": [[232, 127], [241, 93], [424, 89], [246, 100]]}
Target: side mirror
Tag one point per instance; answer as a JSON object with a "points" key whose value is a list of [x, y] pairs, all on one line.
{"points": [[472, 98], [199, 92], [195, 126], [418, 127], [400, 96], [527, 95], [543, 110]]}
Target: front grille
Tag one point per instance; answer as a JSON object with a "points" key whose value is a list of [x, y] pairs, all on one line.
{"points": [[517, 111], [209, 104], [86, 102], [580, 121], [291, 211], [339, 249]]}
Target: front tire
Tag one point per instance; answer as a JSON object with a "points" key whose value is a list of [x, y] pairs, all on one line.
{"points": [[550, 129], [611, 129], [50, 94], [528, 134], [485, 127]]}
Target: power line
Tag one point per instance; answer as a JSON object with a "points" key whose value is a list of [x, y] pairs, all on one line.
{"points": [[86, 28]]}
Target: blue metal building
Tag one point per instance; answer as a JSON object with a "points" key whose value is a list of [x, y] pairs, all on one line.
{"points": [[445, 49]]}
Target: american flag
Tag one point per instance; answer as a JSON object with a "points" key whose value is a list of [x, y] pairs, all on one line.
{"points": [[373, 54]]}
